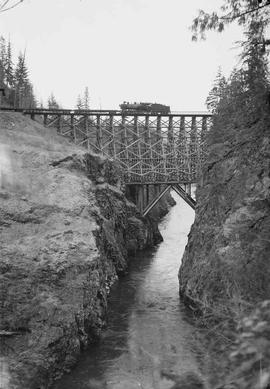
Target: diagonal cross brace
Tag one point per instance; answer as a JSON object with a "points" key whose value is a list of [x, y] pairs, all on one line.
{"points": [[177, 188], [156, 200], [185, 196]]}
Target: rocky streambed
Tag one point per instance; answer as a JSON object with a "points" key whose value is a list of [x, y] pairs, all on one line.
{"points": [[67, 231]]}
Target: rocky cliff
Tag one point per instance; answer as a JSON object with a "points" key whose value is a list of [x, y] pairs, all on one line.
{"points": [[66, 233], [226, 261]]}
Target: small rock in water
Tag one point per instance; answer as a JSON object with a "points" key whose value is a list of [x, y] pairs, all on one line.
{"points": [[96, 384], [100, 180], [162, 308], [188, 380]]}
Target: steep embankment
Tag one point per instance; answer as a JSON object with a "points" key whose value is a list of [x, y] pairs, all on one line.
{"points": [[226, 260], [66, 233]]}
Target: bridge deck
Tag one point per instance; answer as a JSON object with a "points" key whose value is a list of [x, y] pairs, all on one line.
{"points": [[82, 112]]}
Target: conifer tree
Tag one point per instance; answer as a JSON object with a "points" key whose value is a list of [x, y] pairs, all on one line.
{"points": [[85, 100], [255, 63], [217, 92], [29, 100], [52, 103], [18, 88], [9, 66], [247, 90], [79, 104], [23, 88], [242, 12], [2, 60], [21, 81], [21, 71]]}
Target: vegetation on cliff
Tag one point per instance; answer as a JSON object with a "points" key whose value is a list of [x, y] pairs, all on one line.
{"points": [[233, 193], [225, 269]]}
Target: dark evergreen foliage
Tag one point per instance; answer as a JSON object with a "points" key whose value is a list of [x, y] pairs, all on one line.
{"points": [[15, 80], [217, 92], [52, 103], [242, 100], [83, 102], [79, 104], [241, 11]]}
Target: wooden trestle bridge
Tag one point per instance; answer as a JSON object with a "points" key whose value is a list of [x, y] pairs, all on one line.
{"points": [[163, 150]]}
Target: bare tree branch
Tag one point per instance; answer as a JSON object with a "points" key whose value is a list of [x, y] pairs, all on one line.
{"points": [[7, 5], [4, 4]]}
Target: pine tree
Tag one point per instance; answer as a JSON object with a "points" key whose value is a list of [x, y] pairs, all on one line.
{"points": [[52, 103], [21, 81], [2, 60], [21, 71], [9, 66], [18, 88], [85, 100], [255, 66], [243, 12], [29, 100], [79, 104], [23, 88], [217, 92]]}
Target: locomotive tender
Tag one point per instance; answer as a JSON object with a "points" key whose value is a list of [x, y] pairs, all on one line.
{"points": [[154, 108]]}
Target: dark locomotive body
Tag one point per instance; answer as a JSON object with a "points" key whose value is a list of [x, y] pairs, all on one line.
{"points": [[144, 108]]}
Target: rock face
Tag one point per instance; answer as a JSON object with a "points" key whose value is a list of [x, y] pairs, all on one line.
{"points": [[66, 233], [227, 255]]}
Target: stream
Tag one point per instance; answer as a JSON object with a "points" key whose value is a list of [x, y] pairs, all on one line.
{"points": [[148, 327]]}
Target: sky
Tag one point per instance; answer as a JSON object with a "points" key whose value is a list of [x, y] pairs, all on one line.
{"points": [[123, 50]]}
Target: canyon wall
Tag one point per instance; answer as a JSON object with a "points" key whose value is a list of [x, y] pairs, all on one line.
{"points": [[67, 231], [226, 261]]}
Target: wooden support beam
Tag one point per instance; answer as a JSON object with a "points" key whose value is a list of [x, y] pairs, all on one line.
{"points": [[123, 138], [156, 200], [140, 198], [86, 131], [193, 146], [72, 128], [45, 119], [59, 123], [147, 194], [170, 131], [99, 134], [112, 145], [185, 196], [139, 146]]}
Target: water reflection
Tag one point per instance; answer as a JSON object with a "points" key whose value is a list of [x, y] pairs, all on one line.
{"points": [[148, 327]]}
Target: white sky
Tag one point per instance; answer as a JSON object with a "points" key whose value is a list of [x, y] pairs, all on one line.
{"points": [[135, 50]]}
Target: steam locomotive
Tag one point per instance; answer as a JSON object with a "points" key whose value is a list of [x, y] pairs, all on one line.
{"points": [[155, 108]]}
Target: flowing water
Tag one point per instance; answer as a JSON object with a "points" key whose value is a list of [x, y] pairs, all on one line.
{"points": [[148, 327]]}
